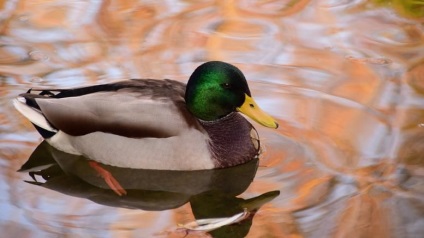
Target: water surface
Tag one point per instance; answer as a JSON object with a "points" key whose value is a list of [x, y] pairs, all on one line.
{"points": [[345, 80]]}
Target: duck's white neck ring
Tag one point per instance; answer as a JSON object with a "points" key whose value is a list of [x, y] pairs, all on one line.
{"points": [[218, 120]]}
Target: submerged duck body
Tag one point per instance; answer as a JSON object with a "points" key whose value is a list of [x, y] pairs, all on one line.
{"points": [[153, 124]]}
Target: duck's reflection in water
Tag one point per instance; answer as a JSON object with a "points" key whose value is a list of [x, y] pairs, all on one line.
{"points": [[211, 193]]}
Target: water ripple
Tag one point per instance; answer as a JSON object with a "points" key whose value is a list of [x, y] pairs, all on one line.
{"points": [[343, 78]]}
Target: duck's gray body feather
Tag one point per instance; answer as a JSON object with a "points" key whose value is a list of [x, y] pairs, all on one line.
{"points": [[137, 124]]}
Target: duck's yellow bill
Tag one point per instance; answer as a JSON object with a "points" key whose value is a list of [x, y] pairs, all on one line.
{"points": [[252, 110]]}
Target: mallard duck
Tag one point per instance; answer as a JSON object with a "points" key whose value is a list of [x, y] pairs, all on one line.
{"points": [[153, 124]]}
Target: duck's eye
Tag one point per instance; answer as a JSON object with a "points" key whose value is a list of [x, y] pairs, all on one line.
{"points": [[226, 85]]}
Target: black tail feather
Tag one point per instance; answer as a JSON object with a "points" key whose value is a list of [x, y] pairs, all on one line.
{"points": [[44, 133]]}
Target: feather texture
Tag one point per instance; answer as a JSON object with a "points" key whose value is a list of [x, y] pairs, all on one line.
{"points": [[141, 123]]}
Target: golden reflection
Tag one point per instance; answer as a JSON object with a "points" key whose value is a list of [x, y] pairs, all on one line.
{"points": [[54, 17], [415, 77], [363, 216], [344, 79], [409, 8], [312, 192], [273, 8]]}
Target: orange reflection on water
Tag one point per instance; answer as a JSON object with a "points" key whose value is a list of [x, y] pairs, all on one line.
{"points": [[344, 79]]}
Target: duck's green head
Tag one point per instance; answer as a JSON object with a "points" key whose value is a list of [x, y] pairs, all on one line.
{"points": [[215, 89]]}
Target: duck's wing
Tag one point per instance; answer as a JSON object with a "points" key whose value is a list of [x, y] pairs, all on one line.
{"points": [[133, 108]]}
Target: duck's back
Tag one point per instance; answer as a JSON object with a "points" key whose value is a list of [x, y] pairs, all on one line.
{"points": [[133, 108], [134, 123]]}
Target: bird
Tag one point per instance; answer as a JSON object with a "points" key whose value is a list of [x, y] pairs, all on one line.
{"points": [[151, 123]]}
